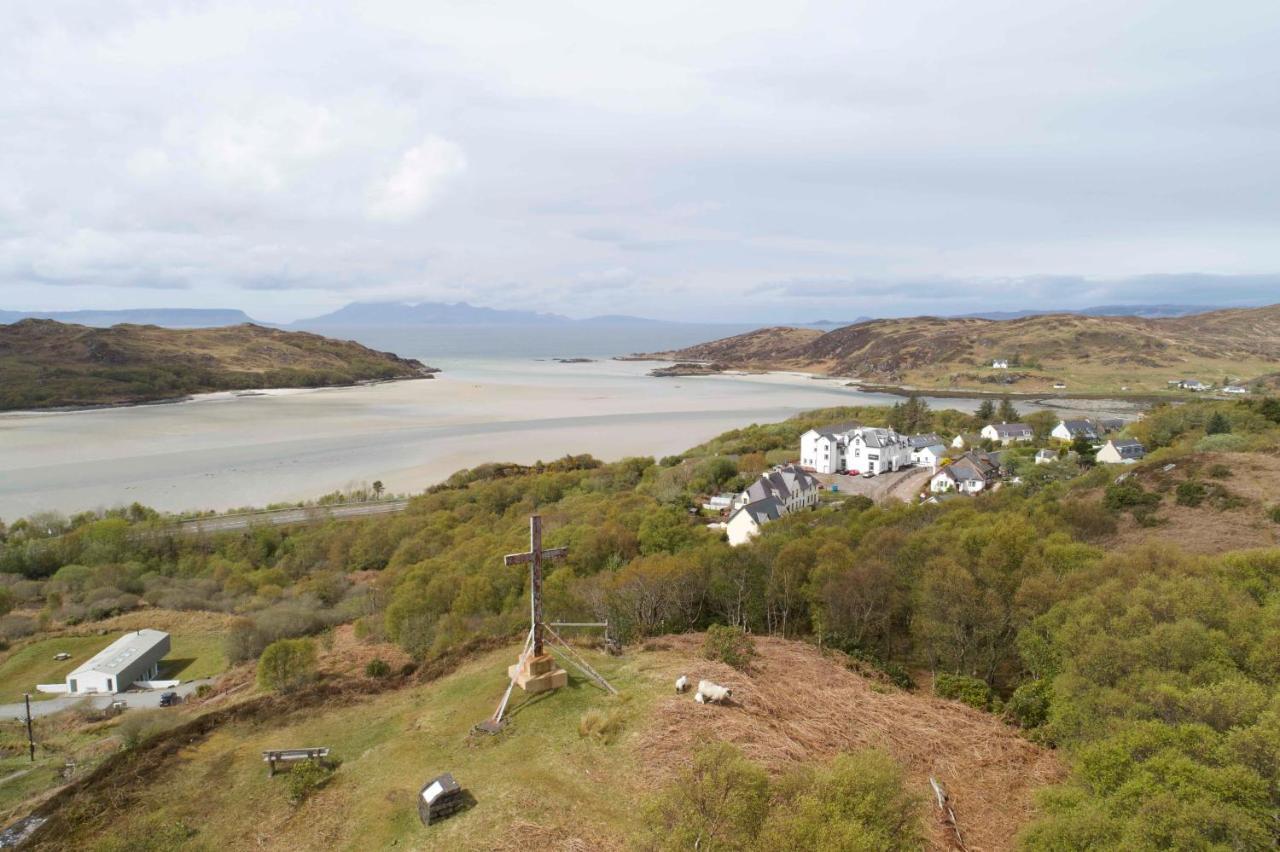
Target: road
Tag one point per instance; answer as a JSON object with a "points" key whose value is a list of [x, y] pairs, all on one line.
{"points": [[49, 706], [289, 517]]}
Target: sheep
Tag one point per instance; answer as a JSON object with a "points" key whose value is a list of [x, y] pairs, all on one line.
{"points": [[682, 684], [712, 693]]}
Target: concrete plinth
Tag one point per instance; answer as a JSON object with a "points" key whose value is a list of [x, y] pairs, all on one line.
{"points": [[538, 674]]}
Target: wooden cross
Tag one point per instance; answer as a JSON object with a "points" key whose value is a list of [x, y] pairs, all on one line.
{"points": [[534, 557]]}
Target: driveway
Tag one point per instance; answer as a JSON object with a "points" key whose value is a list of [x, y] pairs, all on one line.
{"points": [[140, 698]]}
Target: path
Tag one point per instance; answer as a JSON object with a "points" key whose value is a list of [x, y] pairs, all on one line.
{"points": [[286, 517]]}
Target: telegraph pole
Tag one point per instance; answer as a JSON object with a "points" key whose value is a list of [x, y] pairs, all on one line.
{"points": [[30, 739]]}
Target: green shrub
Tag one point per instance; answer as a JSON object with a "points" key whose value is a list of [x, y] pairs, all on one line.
{"points": [[287, 664], [963, 688], [1274, 513], [1126, 495], [1028, 707], [860, 802], [1190, 493], [729, 645], [1220, 471], [306, 777], [204, 690], [377, 667], [718, 804]]}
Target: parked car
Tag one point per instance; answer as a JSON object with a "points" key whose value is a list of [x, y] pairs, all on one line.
{"points": [[118, 706], [850, 472], [168, 699], [869, 473]]}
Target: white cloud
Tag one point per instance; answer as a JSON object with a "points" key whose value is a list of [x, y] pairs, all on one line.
{"points": [[422, 172]]}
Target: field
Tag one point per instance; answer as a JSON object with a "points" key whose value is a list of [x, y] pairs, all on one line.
{"points": [[540, 784], [197, 651]]}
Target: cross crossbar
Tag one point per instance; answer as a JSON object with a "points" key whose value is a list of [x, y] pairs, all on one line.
{"points": [[533, 558]]}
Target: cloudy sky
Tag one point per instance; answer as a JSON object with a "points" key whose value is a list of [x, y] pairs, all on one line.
{"points": [[714, 160]]}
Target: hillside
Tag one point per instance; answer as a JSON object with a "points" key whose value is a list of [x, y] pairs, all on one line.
{"points": [[1087, 353], [44, 363], [542, 785]]}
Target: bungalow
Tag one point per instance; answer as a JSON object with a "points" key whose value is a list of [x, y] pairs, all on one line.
{"points": [[133, 657], [1121, 451], [1000, 364], [1235, 389], [1046, 456], [1007, 433], [1069, 430], [969, 474], [1059, 385], [1192, 385]]}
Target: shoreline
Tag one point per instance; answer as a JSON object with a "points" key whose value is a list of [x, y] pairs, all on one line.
{"points": [[233, 393]]}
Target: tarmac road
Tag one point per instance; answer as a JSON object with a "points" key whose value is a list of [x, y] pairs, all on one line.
{"points": [[140, 698]]}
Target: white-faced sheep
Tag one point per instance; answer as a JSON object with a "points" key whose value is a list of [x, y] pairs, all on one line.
{"points": [[712, 693], [682, 684]]}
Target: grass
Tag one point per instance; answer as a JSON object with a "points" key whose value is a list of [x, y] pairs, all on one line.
{"points": [[390, 745], [193, 655]]}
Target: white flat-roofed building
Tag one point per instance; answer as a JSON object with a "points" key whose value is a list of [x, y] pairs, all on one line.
{"points": [[133, 657]]}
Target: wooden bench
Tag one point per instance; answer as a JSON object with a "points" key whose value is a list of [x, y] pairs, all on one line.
{"points": [[291, 755]]}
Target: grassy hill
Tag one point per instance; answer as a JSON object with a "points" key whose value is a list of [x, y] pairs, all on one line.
{"points": [[541, 784], [1088, 353], [44, 363]]}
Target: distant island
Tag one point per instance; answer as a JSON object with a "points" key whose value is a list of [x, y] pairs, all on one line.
{"points": [[1227, 350], [165, 317], [49, 364]]}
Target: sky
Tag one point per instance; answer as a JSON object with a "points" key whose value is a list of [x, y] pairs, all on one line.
{"points": [[734, 161]]}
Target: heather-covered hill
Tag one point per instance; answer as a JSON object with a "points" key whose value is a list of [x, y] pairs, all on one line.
{"points": [[44, 363]]}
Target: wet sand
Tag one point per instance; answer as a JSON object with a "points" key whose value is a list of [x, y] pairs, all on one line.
{"points": [[223, 451]]}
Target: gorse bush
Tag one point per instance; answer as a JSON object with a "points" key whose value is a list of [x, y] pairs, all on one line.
{"points": [[968, 690], [306, 777], [730, 645], [287, 664]]}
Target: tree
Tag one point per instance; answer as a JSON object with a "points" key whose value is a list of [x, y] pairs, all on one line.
{"points": [[718, 803], [287, 664], [377, 488], [986, 411], [6, 601], [1218, 424], [1007, 413]]}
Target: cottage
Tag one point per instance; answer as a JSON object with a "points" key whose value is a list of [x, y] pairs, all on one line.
{"points": [[1121, 451], [1000, 364], [1069, 430], [744, 524], [929, 456], [1007, 433], [969, 474], [1046, 456], [133, 657], [966, 441], [1235, 389]]}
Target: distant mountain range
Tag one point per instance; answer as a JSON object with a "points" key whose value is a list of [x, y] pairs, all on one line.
{"points": [[442, 313], [390, 314], [166, 317]]}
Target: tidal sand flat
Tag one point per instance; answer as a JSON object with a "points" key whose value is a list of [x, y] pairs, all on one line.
{"points": [[223, 450]]}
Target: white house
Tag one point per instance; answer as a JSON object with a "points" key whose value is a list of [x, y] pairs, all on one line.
{"points": [[1000, 364], [1046, 456], [929, 455], [1069, 430], [877, 450], [1235, 389], [1007, 433], [776, 493], [1121, 451], [823, 450], [744, 524], [966, 440], [968, 474], [133, 657]]}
